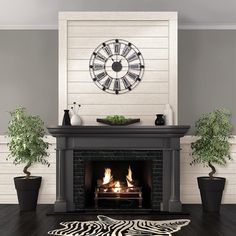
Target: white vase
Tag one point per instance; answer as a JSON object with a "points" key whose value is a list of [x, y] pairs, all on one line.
{"points": [[169, 116], [75, 120]]}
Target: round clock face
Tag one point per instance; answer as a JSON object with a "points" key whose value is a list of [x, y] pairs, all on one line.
{"points": [[116, 66]]}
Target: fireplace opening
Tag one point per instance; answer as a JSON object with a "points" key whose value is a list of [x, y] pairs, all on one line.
{"points": [[118, 179], [118, 184]]}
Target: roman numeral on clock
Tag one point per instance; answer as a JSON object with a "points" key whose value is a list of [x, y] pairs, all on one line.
{"points": [[107, 49], [117, 47], [101, 76], [132, 75], [126, 83], [117, 86], [126, 50], [97, 66], [100, 57], [133, 57], [136, 66], [107, 83]]}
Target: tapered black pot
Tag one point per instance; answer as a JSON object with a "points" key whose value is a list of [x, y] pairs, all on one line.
{"points": [[27, 192], [211, 192]]}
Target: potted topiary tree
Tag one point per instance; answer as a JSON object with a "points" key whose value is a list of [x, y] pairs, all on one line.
{"points": [[27, 147], [212, 147]]}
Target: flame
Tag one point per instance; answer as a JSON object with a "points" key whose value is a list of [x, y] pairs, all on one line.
{"points": [[117, 187], [107, 176], [129, 177]]}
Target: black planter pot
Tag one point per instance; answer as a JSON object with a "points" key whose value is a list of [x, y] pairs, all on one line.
{"points": [[27, 192], [211, 193]]}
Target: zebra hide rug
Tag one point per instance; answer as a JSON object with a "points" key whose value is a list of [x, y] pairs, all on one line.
{"points": [[106, 226]]}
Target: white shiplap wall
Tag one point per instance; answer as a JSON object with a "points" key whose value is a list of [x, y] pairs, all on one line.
{"points": [[155, 35], [189, 189]]}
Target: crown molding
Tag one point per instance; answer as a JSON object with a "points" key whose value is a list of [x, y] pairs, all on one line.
{"points": [[180, 27]]}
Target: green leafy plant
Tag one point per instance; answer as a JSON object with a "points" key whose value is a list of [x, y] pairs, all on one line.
{"points": [[212, 146], [26, 135]]}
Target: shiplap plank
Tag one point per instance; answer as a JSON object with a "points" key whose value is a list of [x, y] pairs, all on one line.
{"points": [[47, 188], [5, 159], [4, 148], [191, 178], [125, 99], [91, 88], [150, 65], [141, 43], [193, 189], [136, 110], [35, 169], [229, 168], [144, 120], [187, 148], [149, 76], [119, 31], [118, 23], [7, 178], [148, 54]]}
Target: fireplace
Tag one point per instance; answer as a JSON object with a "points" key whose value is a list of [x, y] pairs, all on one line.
{"points": [[85, 153]]}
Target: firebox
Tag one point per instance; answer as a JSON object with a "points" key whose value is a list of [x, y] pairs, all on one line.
{"points": [[118, 179]]}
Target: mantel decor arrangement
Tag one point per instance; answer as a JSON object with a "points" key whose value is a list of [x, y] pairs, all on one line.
{"points": [[28, 147], [212, 147]]}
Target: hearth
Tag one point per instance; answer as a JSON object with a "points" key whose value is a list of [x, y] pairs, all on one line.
{"points": [[150, 153]]}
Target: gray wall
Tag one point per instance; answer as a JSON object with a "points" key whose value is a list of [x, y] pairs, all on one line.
{"points": [[207, 73], [28, 73]]}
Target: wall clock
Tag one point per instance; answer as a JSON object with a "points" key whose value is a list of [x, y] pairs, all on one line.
{"points": [[116, 66]]}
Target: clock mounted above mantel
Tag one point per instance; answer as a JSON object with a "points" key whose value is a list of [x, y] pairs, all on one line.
{"points": [[116, 66], [118, 63]]}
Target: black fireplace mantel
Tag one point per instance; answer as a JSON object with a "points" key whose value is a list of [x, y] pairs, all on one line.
{"points": [[113, 131], [165, 138]]}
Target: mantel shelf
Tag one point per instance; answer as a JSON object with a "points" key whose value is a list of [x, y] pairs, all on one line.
{"points": [[149, 131]]}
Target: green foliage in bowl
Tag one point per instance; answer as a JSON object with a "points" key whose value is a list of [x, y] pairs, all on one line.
{"points": [[117, 120]]}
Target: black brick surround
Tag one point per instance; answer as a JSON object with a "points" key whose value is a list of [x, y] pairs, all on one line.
{"points": [[81, 156]]}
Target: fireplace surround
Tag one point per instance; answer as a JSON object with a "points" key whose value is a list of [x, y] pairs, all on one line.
{"points": [[81, 148]]}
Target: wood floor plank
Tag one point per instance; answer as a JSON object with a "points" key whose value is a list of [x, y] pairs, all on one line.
{"points": [[15, 223]]}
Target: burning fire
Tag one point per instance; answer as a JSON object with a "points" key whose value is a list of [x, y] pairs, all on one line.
{"points": [[117, 187], [129, 178], [107, 176], [108, 182]]}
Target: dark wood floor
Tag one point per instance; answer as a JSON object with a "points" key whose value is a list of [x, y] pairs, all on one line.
{"points": [[15, 223]]}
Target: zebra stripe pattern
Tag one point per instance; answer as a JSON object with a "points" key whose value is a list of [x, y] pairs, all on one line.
{"points": [[106, 226]]}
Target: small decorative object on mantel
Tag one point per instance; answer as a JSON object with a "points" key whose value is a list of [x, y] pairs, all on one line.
{"points": [[118, 120], [75, 118], [160, 120], [66, 118], [168, 113]]}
